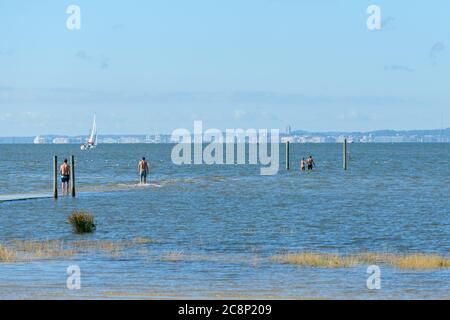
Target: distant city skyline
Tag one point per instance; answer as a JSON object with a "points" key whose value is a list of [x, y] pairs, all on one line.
{"points": [[294, 136], [292, 130], [151, 67]]}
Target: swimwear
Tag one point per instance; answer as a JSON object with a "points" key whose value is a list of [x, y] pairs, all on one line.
{"points": [[65, 178]]}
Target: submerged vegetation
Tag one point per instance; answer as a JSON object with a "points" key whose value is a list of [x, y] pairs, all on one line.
{"points": [[421, 261], [82, 222], [27, 250], [174, 256], [311, 259], [6, 255], [41, 250], [417, 261]]}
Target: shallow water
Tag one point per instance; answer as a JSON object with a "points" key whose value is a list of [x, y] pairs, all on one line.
{"points": [[228, 221]]}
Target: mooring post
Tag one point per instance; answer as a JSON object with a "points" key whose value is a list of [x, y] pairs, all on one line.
{"points": [[72, 175], [287, 155], [345, 155], [55, 177]]}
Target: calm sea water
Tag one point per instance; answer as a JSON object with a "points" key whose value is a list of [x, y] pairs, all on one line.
{"points": [[393, 198]]}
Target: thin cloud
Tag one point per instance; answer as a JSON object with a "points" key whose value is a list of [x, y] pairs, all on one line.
{"points": [[102, 61], [387, 23], [82, 55], [239, 114], [6, 116], [436, 50], [354, 115], [117, 27], [7, 52], [399, 68], [252, 115], [266, 97], [66, 95]]}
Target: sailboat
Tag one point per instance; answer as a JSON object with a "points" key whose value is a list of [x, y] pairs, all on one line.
{"points": [[92, 140]]}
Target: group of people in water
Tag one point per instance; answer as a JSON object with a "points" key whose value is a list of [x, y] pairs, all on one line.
{"points": [[64, 170], [143, 169], [307, 164]]}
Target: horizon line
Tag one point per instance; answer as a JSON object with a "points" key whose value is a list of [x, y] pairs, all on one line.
{"points": [[160, 133]]}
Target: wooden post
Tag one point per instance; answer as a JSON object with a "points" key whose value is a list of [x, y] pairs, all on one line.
{"points": [[72, 175], [287, 155], [55, 177], [345, 155]]}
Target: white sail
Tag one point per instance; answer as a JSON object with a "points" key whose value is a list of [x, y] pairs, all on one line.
{"points": [[92, 140], [96, 137], [93, 137]]}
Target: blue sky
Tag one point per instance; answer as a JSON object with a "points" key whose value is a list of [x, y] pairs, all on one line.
{"points": [[153, 66]]}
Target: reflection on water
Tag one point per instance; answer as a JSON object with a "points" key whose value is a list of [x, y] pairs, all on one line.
{"points": [[224, 222]]}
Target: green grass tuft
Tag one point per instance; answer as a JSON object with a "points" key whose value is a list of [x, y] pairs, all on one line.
{"points": [[82, 222]]}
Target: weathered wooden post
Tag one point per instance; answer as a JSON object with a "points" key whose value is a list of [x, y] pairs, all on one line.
{"points": [[72, 175], [55, 177], [345, 155], [287, 155]]}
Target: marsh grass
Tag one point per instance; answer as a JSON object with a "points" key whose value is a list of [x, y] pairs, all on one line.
{"points": [[143, 240], [41, 250], [98, 245], [174, 256], [31, 250], [421, 261], [407, 261], [7, 255], [180, 256], [24, 251], [311, 259], [82, 222], [412, 261]]}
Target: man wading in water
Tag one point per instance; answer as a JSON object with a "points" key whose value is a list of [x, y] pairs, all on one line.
{"points": [[143, 170], [311, 163], [65, 177]]}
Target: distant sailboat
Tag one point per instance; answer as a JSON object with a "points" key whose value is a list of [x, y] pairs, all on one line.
{"points": [[92, 141]]}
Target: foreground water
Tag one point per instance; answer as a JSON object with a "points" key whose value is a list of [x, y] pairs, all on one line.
{"points": [[225, 222]]}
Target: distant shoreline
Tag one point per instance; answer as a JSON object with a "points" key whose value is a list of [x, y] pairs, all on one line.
{"points": [[297, 136], [205, 143]]}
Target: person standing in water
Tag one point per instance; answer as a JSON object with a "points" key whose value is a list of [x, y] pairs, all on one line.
{"points": [[311, 163], [143, 170], [65, 177], [302, 164]]}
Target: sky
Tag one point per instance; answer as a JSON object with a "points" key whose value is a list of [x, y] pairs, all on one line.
{"points": [[153, 66]]}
